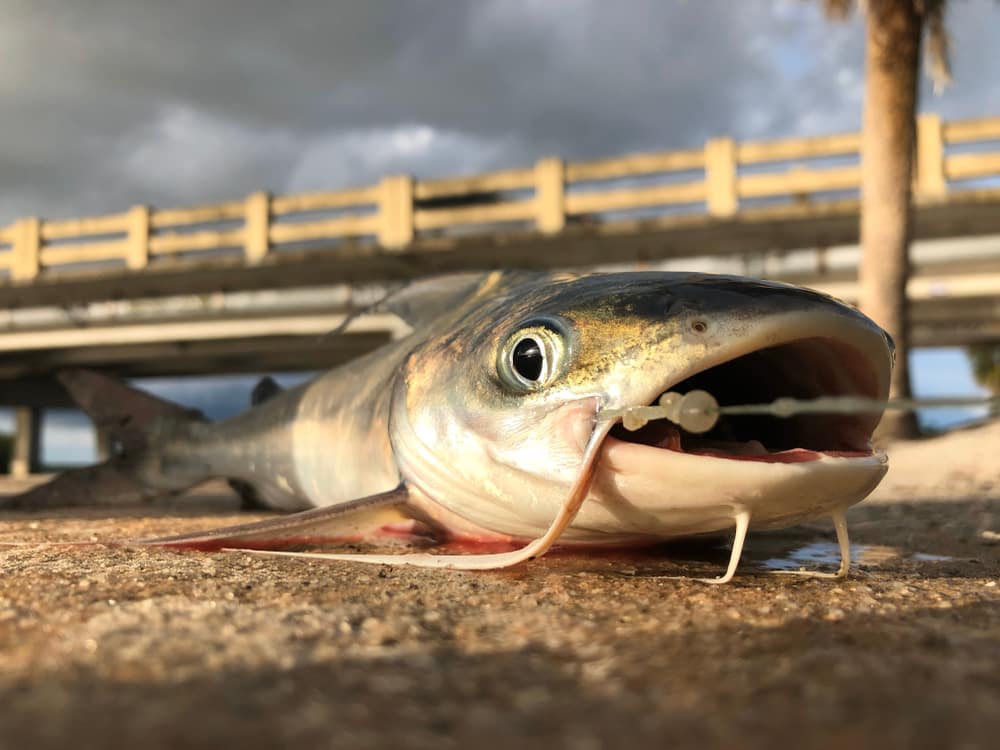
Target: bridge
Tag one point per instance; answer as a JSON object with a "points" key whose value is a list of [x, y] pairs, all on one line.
{"points": [[252, 284]]}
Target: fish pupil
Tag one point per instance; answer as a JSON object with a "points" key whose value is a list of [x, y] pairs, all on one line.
{"points": [[527, 359]]}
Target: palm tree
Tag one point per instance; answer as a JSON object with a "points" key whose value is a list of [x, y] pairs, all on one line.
{"points": [[894, 34], [985, 359]]}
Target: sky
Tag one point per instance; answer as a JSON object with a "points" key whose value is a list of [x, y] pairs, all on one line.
{"points": [[110, 103], [107, 103]]}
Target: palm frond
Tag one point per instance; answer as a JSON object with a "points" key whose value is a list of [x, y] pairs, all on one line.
{"points": [[938, 44], [837, 10]]}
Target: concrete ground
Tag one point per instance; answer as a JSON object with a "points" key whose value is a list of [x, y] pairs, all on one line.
{"points": [[103, 647]]}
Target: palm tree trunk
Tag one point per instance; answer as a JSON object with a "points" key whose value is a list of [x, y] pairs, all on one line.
{"points": [[894, 30]]}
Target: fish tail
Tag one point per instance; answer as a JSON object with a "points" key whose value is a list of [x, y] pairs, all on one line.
{"points": [[144, 434]]}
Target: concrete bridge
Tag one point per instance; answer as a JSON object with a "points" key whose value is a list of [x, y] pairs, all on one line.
{"points": [[251, 285]]}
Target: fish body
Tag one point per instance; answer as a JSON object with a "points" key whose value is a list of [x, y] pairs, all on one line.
{"points": [[483, 420]]}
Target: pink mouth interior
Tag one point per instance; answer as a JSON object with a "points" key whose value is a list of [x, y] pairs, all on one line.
{"points": [[794, 456], [801, 369]]}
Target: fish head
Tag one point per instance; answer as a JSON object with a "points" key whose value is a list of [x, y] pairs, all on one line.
{"points": [[493, 412]]}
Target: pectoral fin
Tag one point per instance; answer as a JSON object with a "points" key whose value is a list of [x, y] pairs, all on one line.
{"points": [[385, 515], [493, 561]]}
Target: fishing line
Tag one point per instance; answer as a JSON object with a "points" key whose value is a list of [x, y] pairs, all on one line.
{"points": [[698, 411]]}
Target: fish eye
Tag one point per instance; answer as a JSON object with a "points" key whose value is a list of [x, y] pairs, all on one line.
{"points": [[528, 359], [532, 357]]}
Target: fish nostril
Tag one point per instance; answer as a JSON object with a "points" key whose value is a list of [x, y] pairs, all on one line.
{"points": [[699, 326]]}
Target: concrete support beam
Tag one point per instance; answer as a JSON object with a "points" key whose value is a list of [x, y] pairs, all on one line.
{"points": [[27, 441], [35, 390]]}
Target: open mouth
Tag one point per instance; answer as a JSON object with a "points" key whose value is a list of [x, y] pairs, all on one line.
{"points": [[801, 369]]}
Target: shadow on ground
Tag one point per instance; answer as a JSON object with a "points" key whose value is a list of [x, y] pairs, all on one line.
{"points": [[923, 678]]}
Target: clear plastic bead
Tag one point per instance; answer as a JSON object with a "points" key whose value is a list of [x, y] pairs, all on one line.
{"points": [[698, 411]]}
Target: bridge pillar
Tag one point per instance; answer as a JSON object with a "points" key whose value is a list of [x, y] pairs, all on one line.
{"points": [[27, 441]]}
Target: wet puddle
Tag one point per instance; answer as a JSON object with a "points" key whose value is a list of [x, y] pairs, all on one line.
{"points": [[774, 551], [823, 555], [810, 557], [925, 557], [770, 551]]}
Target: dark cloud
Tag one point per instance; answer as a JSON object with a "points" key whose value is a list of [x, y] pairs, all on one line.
{"points": [[111, 102]]}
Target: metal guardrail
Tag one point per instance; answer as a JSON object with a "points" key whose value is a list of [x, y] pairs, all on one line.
{"points": [[721, 180]]}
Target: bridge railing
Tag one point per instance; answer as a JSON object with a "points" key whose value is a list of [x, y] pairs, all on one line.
{"points": [[721, 181]]}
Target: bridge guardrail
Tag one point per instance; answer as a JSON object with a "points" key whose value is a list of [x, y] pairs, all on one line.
{"points": [[721, 180]]}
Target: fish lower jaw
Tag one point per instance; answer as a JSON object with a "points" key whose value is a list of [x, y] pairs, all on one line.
{"points": [[663, 493], [642, 494]]}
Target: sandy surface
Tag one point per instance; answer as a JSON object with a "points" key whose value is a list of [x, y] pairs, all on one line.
{"points": [[104, 647]]}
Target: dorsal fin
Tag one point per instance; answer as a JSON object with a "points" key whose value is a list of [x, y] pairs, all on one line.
{"points": [[427, 299], [422, 301]]}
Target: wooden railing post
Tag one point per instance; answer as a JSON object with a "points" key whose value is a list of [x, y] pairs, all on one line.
{"points": [[27, 441], [550, 195], [931, 181], [137, 243], [395, 212], [720, 177], [256, 227], [26, 249]]}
